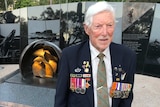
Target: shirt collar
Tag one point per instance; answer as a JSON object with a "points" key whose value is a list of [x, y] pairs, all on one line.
{"points": [[95, 52]]}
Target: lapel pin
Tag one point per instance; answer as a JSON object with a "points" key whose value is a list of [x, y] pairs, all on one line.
{"points": [[77, 70]]}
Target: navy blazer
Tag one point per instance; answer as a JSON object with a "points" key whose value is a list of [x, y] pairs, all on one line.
{"points": [[73, 57]]}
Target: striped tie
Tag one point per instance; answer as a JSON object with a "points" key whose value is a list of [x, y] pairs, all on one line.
{"points": [[102, 90]]}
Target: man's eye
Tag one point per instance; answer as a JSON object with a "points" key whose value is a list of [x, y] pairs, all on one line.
{"points": [[109, 25], [98, 26]]}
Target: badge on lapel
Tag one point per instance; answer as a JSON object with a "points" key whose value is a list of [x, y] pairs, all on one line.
{"points": [[86, 66], [120, 74]]}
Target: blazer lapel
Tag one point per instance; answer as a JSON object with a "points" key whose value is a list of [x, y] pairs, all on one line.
{"points": [[114, 62], [84, 55]]}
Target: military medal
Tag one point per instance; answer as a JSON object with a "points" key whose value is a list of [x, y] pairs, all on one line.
{"points": [[120, 90], [72, 83], [78, 84], [83, 87]]}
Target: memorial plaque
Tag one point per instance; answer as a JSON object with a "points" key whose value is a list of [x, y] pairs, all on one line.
{"points": [[137, 24], [10, 37]]}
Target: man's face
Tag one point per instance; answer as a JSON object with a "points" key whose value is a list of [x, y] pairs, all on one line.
{"points": [[101, 30]]}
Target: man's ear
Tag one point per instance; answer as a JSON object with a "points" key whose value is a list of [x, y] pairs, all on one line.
{"points": [[86, 28]]}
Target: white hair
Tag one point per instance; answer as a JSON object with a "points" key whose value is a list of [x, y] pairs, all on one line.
{"points": [[97, 8]]}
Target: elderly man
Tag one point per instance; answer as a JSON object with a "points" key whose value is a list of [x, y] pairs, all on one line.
{"points": [[97, 72]]}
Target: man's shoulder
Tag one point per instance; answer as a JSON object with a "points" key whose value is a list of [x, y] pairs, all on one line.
{"points": [[76, 48], [120, 48]]}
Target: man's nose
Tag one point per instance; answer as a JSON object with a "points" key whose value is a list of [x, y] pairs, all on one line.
{"points": [[105, 30]]}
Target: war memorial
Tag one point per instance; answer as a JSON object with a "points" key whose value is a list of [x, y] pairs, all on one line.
{"points": [[30, 34]]}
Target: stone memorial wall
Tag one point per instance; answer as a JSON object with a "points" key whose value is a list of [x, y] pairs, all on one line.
{"points": [[137, 27]]}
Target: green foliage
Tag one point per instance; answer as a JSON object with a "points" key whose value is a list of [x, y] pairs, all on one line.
{"points": [[43, 2], [25, 3]]}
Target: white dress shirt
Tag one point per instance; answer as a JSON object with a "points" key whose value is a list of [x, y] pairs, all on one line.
{"points": [[94, 61]]}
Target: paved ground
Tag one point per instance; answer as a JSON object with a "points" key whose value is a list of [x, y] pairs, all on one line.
{"points": [[7, 70], [146, 89]]}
